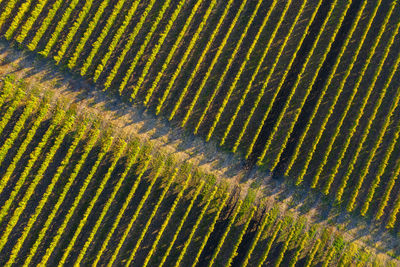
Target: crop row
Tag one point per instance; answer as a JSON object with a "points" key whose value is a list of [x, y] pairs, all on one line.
{"points": [[131, 47], [121, 188], [341, 160], [299, 89]]}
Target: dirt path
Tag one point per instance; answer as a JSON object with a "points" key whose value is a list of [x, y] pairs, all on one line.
{"points": [[132, 119], [135, 120]]}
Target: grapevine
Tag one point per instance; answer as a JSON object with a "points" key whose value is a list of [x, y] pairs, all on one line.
{"points": [[32, 219]]}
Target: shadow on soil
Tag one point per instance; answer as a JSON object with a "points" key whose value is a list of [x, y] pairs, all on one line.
{"points": [[136, 120]]}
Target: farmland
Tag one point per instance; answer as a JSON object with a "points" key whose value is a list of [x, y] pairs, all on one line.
{"points": [[305, 91], [119, 199]]}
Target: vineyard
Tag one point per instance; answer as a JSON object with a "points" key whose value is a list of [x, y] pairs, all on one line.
{"points": [[307, 91], [73, 192]]}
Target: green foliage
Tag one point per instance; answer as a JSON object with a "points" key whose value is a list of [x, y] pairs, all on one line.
{"points": [[23, 146], [248, 201], [55, 239], [235, 248], [375, 183], [350, 100], [255, 72], [269, 244], [155, 49], [71, 33], [146, 227], [285, 246], [131, 161], [19, 125], [88, 33], [60, 26], [210, 197], [116, 157], [207, 235], [19, 17], [221, 241], [386, 195], [99, 41], [7, 11], [29, 23], [117, 36], [311, 84], [355, 124], [45, 25], [33, 218], [183, 59], [329, 256], [228, 66], [393, 215], [204, 52], [378, 140], [15, 215], [297, 82], [164, 225], [33, 157], [181, 223], [256, 238], [200, 45], [6, 117], [268, 77], [311, 255], [332, 73]]}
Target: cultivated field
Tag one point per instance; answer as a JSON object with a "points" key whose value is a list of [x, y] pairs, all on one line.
{"points": [[74, 192], [306, 90]]}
